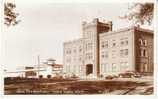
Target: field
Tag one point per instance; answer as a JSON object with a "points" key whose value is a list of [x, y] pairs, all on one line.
{"points": [[120, 86]]}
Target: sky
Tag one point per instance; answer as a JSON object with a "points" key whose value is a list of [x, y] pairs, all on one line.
{"points": [[45, 26]]}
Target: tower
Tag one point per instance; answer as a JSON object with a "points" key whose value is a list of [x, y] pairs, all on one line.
{"points": [[91, 33]]}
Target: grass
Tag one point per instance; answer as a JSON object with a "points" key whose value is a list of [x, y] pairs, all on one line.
{"points": [[70, 86]]}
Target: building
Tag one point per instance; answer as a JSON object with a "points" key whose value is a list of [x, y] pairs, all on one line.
{"points": [[38, 71], [102, 51], [30, 73], [44, 70], [57, 69]]}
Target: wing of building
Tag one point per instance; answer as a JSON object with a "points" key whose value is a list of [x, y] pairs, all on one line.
{"points": [[102, 51]]}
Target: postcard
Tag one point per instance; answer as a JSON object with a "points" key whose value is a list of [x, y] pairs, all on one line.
{"points": [[78, 48]]}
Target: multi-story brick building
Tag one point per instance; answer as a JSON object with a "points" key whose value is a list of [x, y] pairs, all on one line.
{"points": [[102, 51]]}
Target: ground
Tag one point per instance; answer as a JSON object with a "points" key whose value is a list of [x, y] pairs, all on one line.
{"points": [[118, 86]]}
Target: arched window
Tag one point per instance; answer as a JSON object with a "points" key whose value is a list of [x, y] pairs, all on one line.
{"points": [[140, 41]]}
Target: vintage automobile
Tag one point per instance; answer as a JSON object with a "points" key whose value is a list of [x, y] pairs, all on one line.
{"points": [[110, 77], [129, 74]]}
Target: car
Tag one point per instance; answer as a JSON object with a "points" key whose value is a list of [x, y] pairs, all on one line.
{"points": [[137, 75], [109, 77], [129, 74], [58, 77], [74, 76]]}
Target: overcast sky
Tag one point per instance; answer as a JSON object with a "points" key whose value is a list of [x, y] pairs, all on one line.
{"points": [[45, 26]]}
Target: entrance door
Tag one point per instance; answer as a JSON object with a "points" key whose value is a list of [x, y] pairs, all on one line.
{"points": [[89, 69]]}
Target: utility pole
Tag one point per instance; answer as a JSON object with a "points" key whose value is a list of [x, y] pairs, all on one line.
{"points": [[38, 66]]}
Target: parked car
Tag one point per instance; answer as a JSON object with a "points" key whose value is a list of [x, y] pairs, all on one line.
{"points": [[110, 77], [137, 75], [74, 76], [129, 74], [57, 76]]}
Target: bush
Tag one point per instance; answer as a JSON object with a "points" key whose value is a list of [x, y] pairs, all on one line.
{"points": [[40, 76], [49, 76]]}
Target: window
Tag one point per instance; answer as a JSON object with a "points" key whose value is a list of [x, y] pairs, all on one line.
{"points": [[123, 52], [89, 46], [74, 50], [145, 67], [102, 67], [104, 44], [68, 51], [122, 42], [144, 53], [126, 52], [124, 66], [114, 44], [74, 58], [114, 67], [68, 68], [80, 50], [113, 53], [89, 56], [140, 41], [89, 34], [105, 66], [145, 42], [80, 58], [104, 55], [126, 42], [80, 69], [68, 60]]}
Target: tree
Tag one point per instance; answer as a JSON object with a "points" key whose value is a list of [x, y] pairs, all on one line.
{"points": [[10, 16], [140, 13]]}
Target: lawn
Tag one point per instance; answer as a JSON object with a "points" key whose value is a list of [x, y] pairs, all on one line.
{"points": [[79, 87]]}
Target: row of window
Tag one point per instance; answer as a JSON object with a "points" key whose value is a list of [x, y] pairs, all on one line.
{"points": [[89, 56], [104, 55], [143, 42], [105, 67], [68, 60], [69, 51], [105, 44], [88, 34], [143, 53], [73, 69], [89, 46], [123, 53]]}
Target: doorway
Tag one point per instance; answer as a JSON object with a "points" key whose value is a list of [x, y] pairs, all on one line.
{"points": [[89, 69]]}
